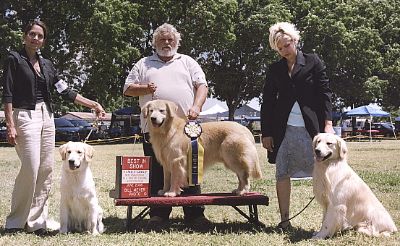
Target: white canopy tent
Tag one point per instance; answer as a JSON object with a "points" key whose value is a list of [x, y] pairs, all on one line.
{"points": [[216, 109]]}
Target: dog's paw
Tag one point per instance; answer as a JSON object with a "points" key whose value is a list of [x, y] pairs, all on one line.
{"points": [[239, 192], [170, 194]]}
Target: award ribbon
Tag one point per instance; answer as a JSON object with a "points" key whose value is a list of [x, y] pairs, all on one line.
{"points": [[195, 154]]}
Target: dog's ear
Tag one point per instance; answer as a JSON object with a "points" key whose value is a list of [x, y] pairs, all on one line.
{"points": [[88, 152], [342, 147], [172, 108], [63, 151], [314, 143], [145, 110]]}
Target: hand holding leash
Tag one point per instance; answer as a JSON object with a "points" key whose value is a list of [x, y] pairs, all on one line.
{"points": [[193, 113]]}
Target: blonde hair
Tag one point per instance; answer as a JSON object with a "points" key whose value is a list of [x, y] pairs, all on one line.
{"points": [[280, 30], [169, 29]]}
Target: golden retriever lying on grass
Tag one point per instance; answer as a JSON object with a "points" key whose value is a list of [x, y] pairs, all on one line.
{"points": [[346, 199], [226, 142]]}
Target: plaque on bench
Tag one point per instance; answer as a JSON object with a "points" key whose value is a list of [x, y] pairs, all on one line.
{"points": [[132, 177]]}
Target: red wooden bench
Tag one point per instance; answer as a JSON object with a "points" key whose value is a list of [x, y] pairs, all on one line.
{"points": [[251, 200]]}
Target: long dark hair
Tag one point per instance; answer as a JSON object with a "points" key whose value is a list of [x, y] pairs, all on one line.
{"points": [[38, 23]]}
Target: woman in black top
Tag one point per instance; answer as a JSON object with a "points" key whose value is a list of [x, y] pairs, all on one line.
{"points": [[27, 82], [296, 106]]}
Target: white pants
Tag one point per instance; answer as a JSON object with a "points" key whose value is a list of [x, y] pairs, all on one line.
{"points": [[35, 148]]}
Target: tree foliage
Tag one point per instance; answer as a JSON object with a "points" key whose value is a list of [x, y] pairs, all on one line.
{"points": [[94, 43]]}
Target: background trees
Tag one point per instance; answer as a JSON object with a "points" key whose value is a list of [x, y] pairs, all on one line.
{"points": [[95, 42]]}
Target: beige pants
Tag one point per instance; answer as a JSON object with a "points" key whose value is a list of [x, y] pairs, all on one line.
{"points": [[35, 149]]}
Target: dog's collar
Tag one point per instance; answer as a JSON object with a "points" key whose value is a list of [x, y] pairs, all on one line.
{"points": [[192, 129]]}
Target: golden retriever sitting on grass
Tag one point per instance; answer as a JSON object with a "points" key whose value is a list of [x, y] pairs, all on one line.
{"points": [[225, 142], [79, 208], [346, 199]]}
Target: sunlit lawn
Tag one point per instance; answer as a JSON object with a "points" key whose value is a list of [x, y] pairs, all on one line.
{"points": [[378, 163]]}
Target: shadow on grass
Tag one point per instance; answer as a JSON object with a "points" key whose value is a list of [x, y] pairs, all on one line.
{"points": [[118, 225], [115, 225]]}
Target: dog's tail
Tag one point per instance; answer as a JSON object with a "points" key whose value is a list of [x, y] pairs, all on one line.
{"points": [[256, 172]]}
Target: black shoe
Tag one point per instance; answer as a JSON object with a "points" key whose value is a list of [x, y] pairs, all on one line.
{"points": [[157, 223], [198, 221], [284, 226], [45, 232], [13, 230]]}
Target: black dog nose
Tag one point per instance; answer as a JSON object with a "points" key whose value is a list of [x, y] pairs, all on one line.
{"points": [[153, 119], [71, 162], [317, 151]]}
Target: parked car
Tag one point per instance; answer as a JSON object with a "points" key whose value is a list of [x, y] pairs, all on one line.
{"points": [[3, 132], [383, 128], [85, 128], [66, 131]]}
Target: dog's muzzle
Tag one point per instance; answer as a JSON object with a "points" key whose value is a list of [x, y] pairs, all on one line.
{"points": [[155, 123], [320, 157], [72, 165]]}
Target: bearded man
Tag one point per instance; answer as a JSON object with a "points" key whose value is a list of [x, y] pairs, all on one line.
{"points": [[176, 77]]}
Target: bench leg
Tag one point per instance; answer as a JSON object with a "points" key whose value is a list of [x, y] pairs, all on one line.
{"points": [[128, 217], [139, 217], [253, 214]]}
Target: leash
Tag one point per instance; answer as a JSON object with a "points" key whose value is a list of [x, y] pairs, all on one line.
{"points": [[294, 216], [95, 125]]}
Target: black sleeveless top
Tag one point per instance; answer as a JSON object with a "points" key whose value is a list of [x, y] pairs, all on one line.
{"points": [[41, 89]]}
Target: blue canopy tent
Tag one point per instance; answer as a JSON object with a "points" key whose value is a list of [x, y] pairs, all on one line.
{"points": [[371, 112]]}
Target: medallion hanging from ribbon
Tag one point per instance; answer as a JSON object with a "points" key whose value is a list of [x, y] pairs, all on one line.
{"points": [[195, 154]]}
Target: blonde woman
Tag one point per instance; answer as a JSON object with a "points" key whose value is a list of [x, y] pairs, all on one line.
{"points": [[296, 106]]}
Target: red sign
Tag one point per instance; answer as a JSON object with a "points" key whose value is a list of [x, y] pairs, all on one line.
{"points": [[133, 176]]}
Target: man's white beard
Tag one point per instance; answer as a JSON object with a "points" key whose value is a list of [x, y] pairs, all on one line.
{"points": [[167, 53]]}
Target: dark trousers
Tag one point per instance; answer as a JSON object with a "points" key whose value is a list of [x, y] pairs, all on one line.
{"points": [[157, 183]]}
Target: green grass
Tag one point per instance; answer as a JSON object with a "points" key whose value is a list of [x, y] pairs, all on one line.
{"points": [[378, 163]]}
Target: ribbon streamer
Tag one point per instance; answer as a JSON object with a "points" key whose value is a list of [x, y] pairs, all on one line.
{"points": [[195, 162]]}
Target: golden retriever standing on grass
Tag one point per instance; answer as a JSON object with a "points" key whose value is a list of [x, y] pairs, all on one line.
{"points": [[346, 199], [79, 207], [226, 142]]}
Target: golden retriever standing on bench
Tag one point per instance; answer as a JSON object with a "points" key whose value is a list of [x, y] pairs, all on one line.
{"points": [[226, 142], [346, 199], [79, 207]]}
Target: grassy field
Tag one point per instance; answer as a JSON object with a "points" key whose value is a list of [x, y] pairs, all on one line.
{"points": [[378, 163]]}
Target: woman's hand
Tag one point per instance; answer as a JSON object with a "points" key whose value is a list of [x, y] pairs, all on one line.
{"points": [[268, 143], [11, 135], [100, 113]]}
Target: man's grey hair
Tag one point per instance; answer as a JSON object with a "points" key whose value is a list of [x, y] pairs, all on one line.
{"points": [[169, 29]]}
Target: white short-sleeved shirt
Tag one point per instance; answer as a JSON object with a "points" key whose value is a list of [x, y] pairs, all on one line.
{"points": [[176, 81]]}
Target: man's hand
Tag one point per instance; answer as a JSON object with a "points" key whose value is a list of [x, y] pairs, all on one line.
{"points": [[194, 112], [151, 87]]}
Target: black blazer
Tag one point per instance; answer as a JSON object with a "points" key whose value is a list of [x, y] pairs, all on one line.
{"points": [[309, 86], [20, 82]]}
